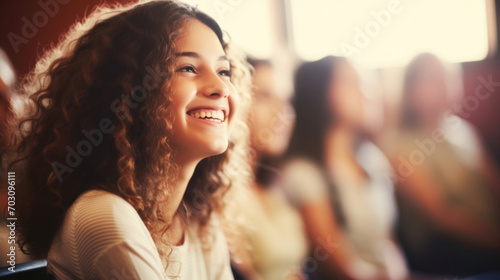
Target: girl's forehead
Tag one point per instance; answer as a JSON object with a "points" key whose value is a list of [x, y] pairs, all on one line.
{"points": [[198, 37]]}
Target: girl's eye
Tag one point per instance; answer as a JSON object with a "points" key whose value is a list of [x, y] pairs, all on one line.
{"points": [[189, 69], [225, 73]]}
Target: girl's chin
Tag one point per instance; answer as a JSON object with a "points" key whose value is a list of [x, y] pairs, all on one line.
{"points": [[218, 151], [214, 148]]}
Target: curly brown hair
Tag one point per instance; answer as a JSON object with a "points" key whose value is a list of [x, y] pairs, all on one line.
{"points": [[82, 131]]}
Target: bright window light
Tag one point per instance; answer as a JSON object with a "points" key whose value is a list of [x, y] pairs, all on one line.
{"points": [[385, 33], [249, 23]]}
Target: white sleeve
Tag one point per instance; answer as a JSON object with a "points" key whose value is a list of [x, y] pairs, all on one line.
{"points": [[303, 181], [219, 260], [466, 139], [125, 260], [111, 241]]}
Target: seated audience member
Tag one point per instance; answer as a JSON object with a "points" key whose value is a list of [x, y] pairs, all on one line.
{"points": [[274, 238], [338, 178], [449, 187], [134, 143], [7, 84]]}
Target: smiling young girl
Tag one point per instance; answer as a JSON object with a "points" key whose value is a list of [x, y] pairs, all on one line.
{"points": [[131, 146]]}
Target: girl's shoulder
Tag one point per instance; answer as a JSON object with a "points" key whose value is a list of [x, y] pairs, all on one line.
{"points": [[99, 218], [99, 227], [101, 209]]}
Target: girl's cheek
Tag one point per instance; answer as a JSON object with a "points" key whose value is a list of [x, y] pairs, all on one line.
{"points": [[234, 104]]}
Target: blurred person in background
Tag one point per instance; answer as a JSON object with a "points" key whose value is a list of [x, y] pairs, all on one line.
{"points": [[274, 237], [449, 193], [7, 82], [336, 177]]}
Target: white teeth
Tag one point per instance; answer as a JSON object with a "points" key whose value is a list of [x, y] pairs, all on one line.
{"points": [[212, 115]]}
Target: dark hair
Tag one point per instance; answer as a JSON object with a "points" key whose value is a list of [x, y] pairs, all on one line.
{"points": [[91, 75], [314, 116], [313, 113]]}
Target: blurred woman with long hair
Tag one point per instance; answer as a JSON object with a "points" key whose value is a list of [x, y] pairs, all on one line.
{"points": [[339, 178], [449, 189]]}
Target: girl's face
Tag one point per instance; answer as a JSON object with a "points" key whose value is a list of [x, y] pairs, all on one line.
{"points": [[204, 101]]}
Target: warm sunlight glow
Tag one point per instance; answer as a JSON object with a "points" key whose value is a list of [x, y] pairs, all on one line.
{"points": [[386, 33], [248, 22]]}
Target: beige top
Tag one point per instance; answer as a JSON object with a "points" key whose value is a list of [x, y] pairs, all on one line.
{"points": [[103, 237], [369, 210], [453, 164], [276, 238]]}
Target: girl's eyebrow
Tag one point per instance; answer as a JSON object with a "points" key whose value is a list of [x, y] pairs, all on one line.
{"points": [[196, 55]]}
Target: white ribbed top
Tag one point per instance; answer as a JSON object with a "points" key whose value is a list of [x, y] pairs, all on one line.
{"points": [[103, 237]]}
